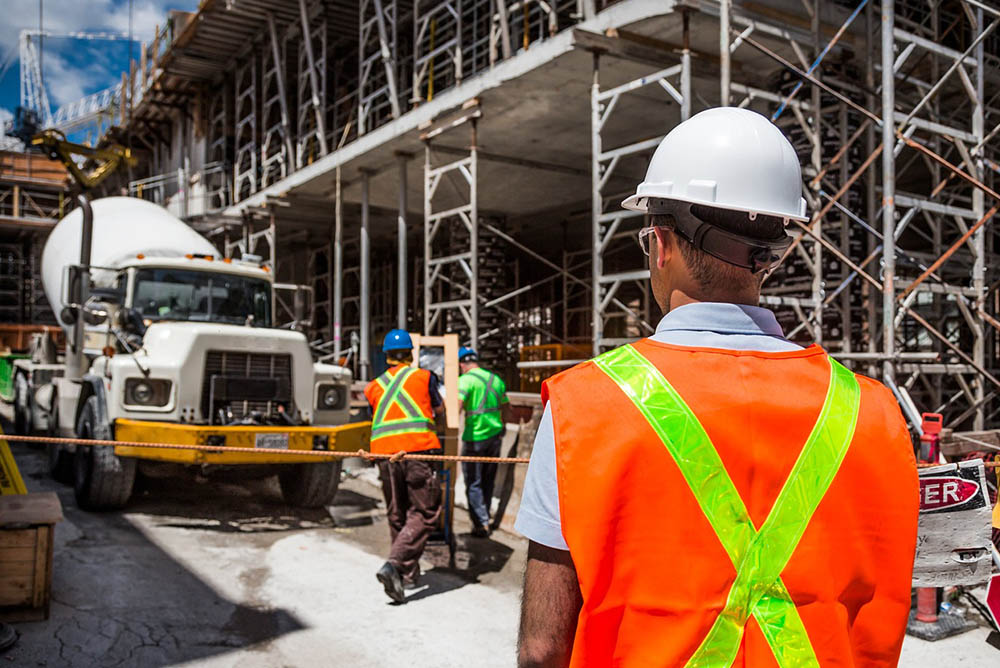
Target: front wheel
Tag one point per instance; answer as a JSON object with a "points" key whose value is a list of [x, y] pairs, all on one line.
{"points": [[309, 485], [101, 479]]}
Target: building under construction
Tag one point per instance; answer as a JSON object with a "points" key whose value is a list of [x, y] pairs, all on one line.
{"points": [[458, 166]]}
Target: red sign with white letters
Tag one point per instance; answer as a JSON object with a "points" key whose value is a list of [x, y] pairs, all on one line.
{"points": [[993, 599], [940, 493]]}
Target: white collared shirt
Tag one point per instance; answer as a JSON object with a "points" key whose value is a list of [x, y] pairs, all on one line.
{"points": [[703, 325]]}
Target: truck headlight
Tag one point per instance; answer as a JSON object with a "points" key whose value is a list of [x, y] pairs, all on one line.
{"points": [[331, 397], [147, 392]]}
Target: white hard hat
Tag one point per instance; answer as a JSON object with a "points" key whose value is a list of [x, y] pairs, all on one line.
{"points": [[727, 158]]}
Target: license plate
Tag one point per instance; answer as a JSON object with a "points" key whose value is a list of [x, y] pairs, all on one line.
{"points": [[271, 441]]}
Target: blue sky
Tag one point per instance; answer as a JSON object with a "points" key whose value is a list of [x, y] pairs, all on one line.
{"points": [[74, 68]]}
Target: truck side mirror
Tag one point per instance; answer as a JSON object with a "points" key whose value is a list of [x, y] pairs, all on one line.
{"points": [[68, 316], [108, 295]]}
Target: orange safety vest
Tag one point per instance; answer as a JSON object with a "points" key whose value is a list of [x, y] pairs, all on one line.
{"points": [[676, 561], [407, 422]]}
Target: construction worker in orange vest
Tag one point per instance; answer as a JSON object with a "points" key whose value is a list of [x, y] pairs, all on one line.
{"points": [[404, 401], [716, 495]]}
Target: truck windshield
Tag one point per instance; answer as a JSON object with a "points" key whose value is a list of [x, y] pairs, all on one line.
{"points": [[202, 296]]}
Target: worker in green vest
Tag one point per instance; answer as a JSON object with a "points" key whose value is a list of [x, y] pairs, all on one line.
{"points": [[484, 400]]}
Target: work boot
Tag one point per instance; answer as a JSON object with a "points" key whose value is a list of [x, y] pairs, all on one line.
{"points": [[393, 583], [480, 532]]}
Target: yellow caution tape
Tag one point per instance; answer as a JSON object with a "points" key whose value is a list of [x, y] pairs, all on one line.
{"points": [[10, 477]]}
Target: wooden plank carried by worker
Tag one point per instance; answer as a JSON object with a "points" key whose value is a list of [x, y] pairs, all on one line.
{"points": [[953, 535], [449, 345], [27, 524]]}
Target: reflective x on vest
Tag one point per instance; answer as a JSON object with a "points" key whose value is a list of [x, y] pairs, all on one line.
{"points": [[759, 556], [482, 408], [393, 393]]}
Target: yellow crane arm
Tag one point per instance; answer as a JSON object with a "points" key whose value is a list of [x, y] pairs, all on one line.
{"points": [[108, 158]]}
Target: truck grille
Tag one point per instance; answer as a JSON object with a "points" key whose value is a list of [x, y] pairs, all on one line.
{"points": [[229, 368]]}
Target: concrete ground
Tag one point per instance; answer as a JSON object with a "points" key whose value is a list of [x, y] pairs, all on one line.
{"points": [[209, 573]]}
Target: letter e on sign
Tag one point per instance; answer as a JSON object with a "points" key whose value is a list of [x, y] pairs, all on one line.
{"points": [[940, 493]]}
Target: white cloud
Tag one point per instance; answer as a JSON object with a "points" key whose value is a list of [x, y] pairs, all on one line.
{"points": [[74, 67], [7, 143], [62, 16], [66, 83]]}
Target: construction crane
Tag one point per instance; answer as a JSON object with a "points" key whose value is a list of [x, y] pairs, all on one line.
{"points": [[38, 128], [51, 141], [34, 96], [72, 115]]}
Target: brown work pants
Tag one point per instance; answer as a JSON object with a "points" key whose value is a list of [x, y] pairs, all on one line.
{"points": [[413, 505]]}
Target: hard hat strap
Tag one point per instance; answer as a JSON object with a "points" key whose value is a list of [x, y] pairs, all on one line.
{"points": [[746, 252]]}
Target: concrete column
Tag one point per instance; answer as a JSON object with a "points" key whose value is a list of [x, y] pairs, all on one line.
{"points": [[401, 282], [686, 68], [365, 306], [724, 56], [338, 264], [597, 206]]}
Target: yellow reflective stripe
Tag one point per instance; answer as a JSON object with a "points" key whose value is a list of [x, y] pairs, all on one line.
{"points": [[409, 406], [774, 544], [413, 421], [758, 558], [389, 396], [397, 427]]}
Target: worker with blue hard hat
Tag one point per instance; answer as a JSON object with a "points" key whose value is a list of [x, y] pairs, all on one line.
{"points": [[404, 401], [484, 399]]}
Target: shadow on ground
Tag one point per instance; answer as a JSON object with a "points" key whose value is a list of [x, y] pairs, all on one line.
{"points": [[118, 599], [228, 504], [474, 557]]}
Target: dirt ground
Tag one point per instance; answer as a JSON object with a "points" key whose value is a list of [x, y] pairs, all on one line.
{"points": [[207, 573]]}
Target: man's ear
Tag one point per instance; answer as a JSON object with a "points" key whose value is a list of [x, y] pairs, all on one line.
{"points": [[664, 246]]}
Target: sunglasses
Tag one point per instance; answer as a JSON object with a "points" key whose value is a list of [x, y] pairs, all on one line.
{"points": [[644, 235]]}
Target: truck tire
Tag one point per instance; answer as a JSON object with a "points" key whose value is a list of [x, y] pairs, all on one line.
{"points": [[101, 479], [60, 459], [22, 405], [309, 485]]}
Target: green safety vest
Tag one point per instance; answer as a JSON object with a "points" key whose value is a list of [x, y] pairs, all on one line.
{"points": [[485, 417], [759, 555], [393, 393]]}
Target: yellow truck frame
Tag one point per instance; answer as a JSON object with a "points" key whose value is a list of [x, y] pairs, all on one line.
{"points": [[344, 438]]}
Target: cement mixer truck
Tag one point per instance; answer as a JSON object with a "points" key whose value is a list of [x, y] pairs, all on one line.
{"points": [[169, 343]]}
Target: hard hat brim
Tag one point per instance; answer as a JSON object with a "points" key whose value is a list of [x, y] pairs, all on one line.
{"points": [[639, 202]]}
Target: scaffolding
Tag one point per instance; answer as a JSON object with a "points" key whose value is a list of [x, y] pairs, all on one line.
{"points": [[892, 108]]}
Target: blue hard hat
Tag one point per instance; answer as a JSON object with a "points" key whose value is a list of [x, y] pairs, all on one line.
{"points": [[397, 339], [465, 353]]}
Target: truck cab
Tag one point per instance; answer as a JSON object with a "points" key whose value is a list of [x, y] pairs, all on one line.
{"points": [[175, 312], [182, 349]]}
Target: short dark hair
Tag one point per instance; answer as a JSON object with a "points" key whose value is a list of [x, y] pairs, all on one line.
{"points": [[710, 272], [403, 356]]}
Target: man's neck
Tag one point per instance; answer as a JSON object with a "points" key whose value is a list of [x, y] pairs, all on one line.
{"points": [[679, 298]]}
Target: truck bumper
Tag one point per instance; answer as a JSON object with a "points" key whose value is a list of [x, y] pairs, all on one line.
{"points": [[345, 438]]}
